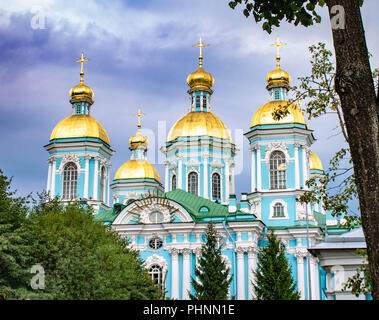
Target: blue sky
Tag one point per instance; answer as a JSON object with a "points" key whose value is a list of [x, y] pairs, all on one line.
{"points": [[141, 53]]}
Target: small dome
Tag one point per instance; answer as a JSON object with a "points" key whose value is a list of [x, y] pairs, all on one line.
{"points": [[264, 114], [200, 79], [81, 91], [315, 162], [137, 140], [79, 126], [278, 76], [199, 123], [137, 169]]}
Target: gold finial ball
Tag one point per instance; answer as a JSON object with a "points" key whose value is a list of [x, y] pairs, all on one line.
{"points": [[200, 79]]}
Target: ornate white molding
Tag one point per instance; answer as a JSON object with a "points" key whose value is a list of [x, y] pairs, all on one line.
{"points": [[216, 164], [276, 146], [69, 158], [156, 260], [192, 163]]}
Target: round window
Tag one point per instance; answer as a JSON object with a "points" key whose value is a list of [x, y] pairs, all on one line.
{"points": [[155, 243], [156, 217]]}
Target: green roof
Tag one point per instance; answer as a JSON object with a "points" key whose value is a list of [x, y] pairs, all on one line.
{"points": [[108, 216], [196, 207]]}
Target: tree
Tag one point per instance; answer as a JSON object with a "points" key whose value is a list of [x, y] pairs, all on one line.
{"points": [[84, 259], [273, 275], [16, 245], [212, 274], [355, 87]]}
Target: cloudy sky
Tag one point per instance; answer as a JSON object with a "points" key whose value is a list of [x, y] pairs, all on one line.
{"points": [[141, 53]]}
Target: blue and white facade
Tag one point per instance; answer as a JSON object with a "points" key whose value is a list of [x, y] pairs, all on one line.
{"points": [[166, 222]]}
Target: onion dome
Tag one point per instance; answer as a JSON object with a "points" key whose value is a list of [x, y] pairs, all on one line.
{"points": [[264, 114], [79, 126], [137, 140], [315, 162], [199, 123], [137, 169], [278, 76]]}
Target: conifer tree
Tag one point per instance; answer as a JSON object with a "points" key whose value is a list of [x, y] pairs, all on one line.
{"points": [[273, 275], [212, 274]]}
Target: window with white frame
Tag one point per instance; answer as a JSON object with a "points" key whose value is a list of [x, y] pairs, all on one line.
{"points": [[204, 102], [70, 181], [278, 210], [277, 170], [155, 272], [192, 182], [216, 186]]}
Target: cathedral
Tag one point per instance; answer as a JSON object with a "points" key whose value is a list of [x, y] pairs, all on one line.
{"points": [[165, 219]]}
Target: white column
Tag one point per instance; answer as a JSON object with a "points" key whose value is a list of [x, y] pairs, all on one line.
{"points": [[259, 176], [297, 171], [96, 178], [227, 184], [108, 183], [180, 173], [186, 273], [54, 172], [305, 159], [205, 180], [253, 185], [86, 176], [300, 274], [314, 279], [240, 275], [252, 265], [233, 190], [174, 274], [166, 177], [48, 176]]}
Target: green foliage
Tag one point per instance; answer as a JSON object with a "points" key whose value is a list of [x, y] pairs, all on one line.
{"points": [[273, 275], [83, 259], [212, 274], [16, 245], [272, 12]]}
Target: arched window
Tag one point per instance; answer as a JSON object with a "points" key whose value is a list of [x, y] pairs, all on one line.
{"points": [[278, 210], [70, 181], [103, 180], [155, 272], [173, 182], [192, 183], [197, 102], [204, 102], [277, 170], [216, 186]]}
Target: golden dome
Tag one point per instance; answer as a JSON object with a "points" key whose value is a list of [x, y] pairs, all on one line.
{"points": [[199, 123], [264, 114], [278, 76], [315, 162], [79, 126], [81, 91], [137, 169], [137, 140], [200, 79]]}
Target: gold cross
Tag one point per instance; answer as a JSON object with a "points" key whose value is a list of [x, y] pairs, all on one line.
{"points": [[139, 115], [82, 60], [200, 45], [278, 44]]}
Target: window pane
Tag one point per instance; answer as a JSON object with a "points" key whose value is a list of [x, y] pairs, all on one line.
{"points": [[173, 182], [192, 183], [216, 186], [277, 170], [70, 180]]}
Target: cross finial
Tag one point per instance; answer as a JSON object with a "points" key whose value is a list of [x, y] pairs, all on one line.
{"points": [[278, 44], [139, 115], [200, 45], [82, 60]]}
